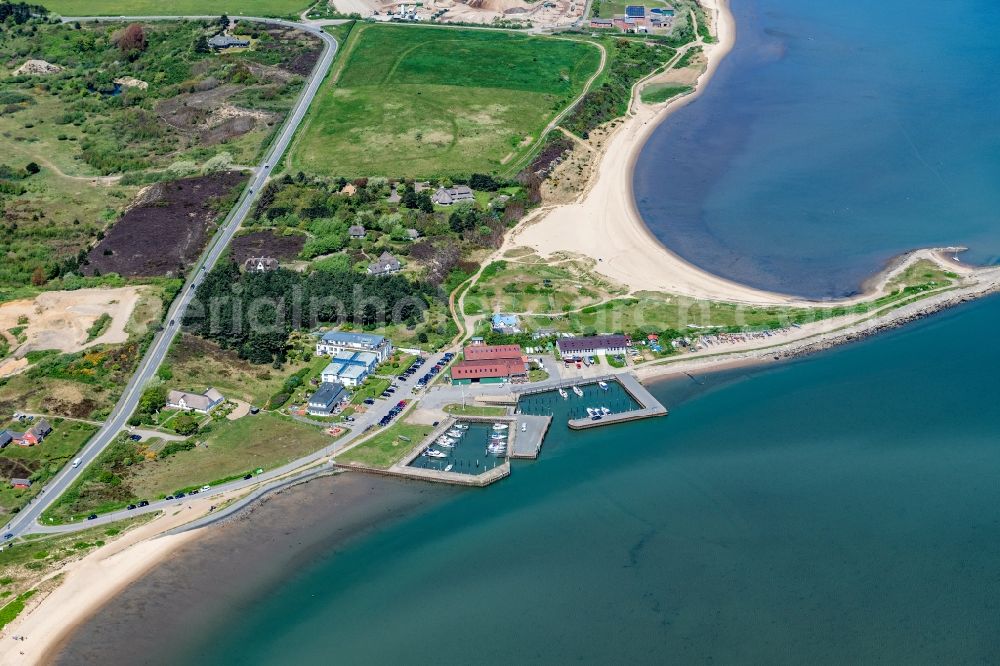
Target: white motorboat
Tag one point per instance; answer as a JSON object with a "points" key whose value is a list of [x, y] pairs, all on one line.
{"points": [[461, 426], [590, 411], [455, 433], [579, 393], [563, 393], [500, 426], [603, 385], [448, 468], [447, 442], [431, 453], [605, 411], [497, 437]]}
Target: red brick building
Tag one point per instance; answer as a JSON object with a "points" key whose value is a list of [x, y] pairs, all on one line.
{"points": [[489, 364]]}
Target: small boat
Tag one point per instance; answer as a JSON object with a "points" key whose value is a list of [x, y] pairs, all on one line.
{"points": [[461, 426], [497, 437], [579, 393], [605, 411], [500, 426], [590, 411], [603, 385], [431, 453], [448, 468], [447, 442], [563, 393], [455, 433], [524, 427]]}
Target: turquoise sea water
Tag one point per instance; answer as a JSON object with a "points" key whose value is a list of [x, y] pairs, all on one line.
{"points": [[836, 509], [835, 136]]}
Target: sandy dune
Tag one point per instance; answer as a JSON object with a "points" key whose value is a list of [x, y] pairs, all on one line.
{"points": [[60, 320]]}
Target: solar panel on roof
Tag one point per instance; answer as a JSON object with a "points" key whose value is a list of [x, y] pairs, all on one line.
{"points": [[635, 11]]}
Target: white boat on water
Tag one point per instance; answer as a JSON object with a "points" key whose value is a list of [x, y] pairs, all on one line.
{"points": [[603, 385], [500, 426], [579, 393], [563, 393], [497, 437], [455, 433], [431, 453], [448, 468], [590, 411], [446, 441], [605, 411], [461, 426]]}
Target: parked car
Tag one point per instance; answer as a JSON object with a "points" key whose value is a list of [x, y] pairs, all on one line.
{"points": [[369, 401], [169, 497], [179, 495], [143, 503], [130, 507], [92, 516], [254, 410], [247, 477], [206, 487], [135, 438], [8, 536]]}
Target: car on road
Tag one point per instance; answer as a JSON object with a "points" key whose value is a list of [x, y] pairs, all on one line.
{"points": [[92, 516], [143, 503], [255, 410], [8, 536], [193, 492], [369, 401], [206, 487], [130, 507], [76, 463], [247, 477], [179, 495], [169, 497]]}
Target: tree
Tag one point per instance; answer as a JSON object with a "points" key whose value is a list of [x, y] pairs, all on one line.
{"points": [[484, 182], [38, 276], [185, 425], [152, 400], [131, 40], [32, 168], [201, 44], [424, 202], [223, 22]]}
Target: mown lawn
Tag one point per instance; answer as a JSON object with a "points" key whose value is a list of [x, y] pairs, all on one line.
{"points": [[386, 448], [475, 410], [424, 102], [177, 7]]}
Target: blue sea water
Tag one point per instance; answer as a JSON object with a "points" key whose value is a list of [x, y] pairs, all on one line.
{"points": [[835, 136], [837, 509]]}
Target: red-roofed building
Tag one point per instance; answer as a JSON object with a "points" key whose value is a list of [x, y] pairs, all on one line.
{"points": [[489, 364]]}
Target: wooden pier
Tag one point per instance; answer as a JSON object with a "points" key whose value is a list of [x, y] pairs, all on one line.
{"points": [[648, 406]]}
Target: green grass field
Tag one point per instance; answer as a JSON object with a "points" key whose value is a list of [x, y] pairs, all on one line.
{"points": [[177, 7], [661, 92], [424, 102], [386, 448]]}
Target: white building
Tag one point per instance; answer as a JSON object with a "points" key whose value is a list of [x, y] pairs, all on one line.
{"points": [[336, 342], [198, 402], [349, 368]]}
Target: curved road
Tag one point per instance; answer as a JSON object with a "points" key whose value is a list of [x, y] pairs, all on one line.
{"points": [[25, 521]]}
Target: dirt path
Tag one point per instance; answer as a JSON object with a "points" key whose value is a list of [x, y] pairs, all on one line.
{"points": [[94, 180]]}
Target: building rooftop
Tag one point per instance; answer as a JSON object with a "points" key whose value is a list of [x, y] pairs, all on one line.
{"points": [[587, 343], [328, 392], [356, 358], [492, 352], [348, 338]]}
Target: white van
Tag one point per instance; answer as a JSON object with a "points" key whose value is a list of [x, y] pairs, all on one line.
{"points": [[76, 463]]}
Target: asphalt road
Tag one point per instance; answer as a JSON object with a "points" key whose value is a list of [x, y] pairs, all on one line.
{"points": [[25, 521]]}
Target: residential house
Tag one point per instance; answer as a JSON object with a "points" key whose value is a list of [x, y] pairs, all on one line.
{"points": [[592, 344], [386, 265], [335, 342], [349, 368], [489, 364], [20, 483], [202, 403], [260, 264], [33, 435], [6, 437], [508, 324], [393, 197], [446, 196], [327, 399], [227, 42], [356, 231], [601, 23]]}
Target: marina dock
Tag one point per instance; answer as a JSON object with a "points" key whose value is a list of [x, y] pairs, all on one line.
{"points": [[647, 406]]}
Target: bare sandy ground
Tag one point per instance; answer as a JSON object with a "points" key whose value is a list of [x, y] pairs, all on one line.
{"points": [[93, 580], [60, 320]]}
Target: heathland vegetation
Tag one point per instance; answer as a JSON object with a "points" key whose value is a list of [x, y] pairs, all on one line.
{"points": [[430, 102], [111, 106], [113, 8]]}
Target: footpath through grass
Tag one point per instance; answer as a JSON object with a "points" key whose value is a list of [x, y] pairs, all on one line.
{"points": [[279, 8], [424, 102]]}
